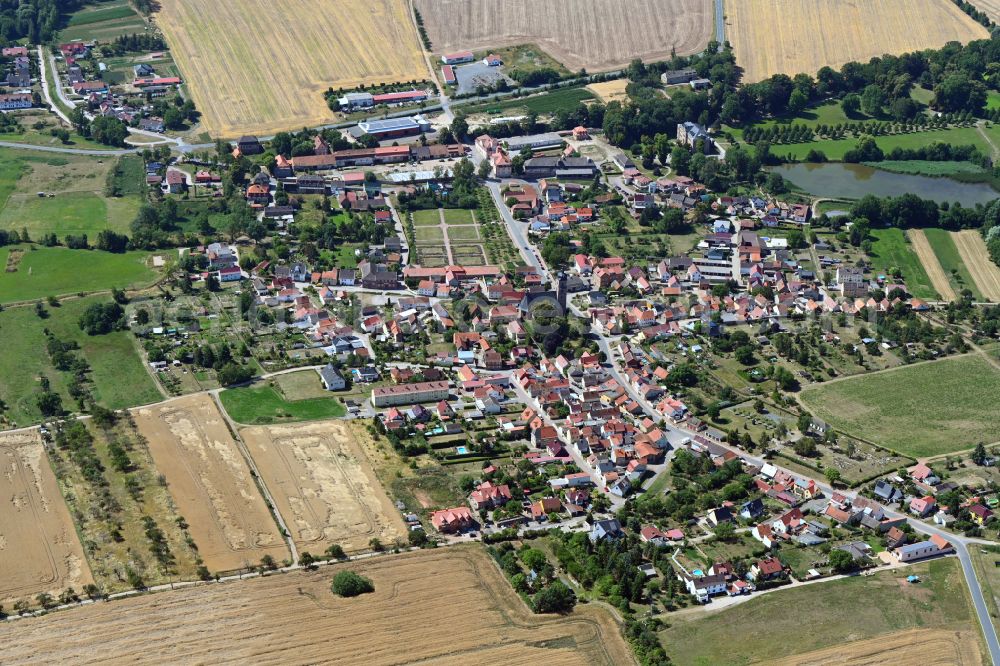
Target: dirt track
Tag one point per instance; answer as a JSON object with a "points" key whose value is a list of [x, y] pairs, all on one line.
{"points": [[39, 549], [210, 483], [324, 486], [927, 647], [973, 251], [445, 606], [593, 34], [939, 279]]}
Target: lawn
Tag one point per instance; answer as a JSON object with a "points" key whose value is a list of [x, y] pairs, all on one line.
{"points": [[458, 216], [426, 218], [822, 615], [890, 251], [258, 405], [921, 410], [301, 385], [946, 252], [56, 271], [463, 233], [428, 234], [117, 371]]}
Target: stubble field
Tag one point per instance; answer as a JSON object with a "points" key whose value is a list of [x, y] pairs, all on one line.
{"points": [[594, 34], [261, 67], [928, 647], [801, 36], [211, 483], [39, 549], [448, 605], [984, 272], [324, 486]]}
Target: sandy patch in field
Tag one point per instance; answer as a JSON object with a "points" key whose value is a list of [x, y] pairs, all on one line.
{"points": [[939, 279], [927, 647], [445, 606], [324, 486], [39, 549], [972, 249], [801, 36], [210, 483], [610, 91]]}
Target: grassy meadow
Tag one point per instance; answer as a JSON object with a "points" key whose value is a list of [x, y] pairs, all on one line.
{"points": [[57, 271], [921, 410], [119, 378], [261, 405], [890, 251], [822, 615]]}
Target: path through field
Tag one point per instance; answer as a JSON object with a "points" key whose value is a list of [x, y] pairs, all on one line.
{"points": [[939, 279], [973, 251]]}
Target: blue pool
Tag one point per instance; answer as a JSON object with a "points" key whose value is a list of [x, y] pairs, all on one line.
{"points": [[461, 450], [698, 572]]}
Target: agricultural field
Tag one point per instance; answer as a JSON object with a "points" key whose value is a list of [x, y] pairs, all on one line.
{"points": [[541, 104], [307, 50], [933, 647], [891, 250], [103, 21], [834, 149], [39, 549], [119, 378], [588, 34], [210, 483], [130, 527], [919, 410], [33, 272], [984, 272], [78, 203], [447, 605], [837, 613], [324, 486], [781, 37], [946, 252], [933, 267], [259, 405]]}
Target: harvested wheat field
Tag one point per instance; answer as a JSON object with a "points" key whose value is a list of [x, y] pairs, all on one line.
{"points": [[259, 67], [972, 249], [210, 483], [324, 486], [594, 34], [39, 549], [939, 279], [610, 91], [449, 605], [927, 647], [801, 36]]}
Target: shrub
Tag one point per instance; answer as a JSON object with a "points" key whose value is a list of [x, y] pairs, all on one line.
{"points": [[350, 584]]}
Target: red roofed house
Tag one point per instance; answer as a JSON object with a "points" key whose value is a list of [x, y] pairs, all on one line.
{"points": [[453, 520], [489, 496]]}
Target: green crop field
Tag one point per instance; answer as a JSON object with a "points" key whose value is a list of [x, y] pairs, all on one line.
{"points": [[564, 98], [822, 615], [260, 405], [102, 21], [921, 410], [57, 271], [834, 149], [947, 253], [890, 251], [117, 371], [927, 168]]}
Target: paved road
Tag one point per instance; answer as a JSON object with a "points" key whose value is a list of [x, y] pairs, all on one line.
{"points": [[720, 22], [517, 231]]}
